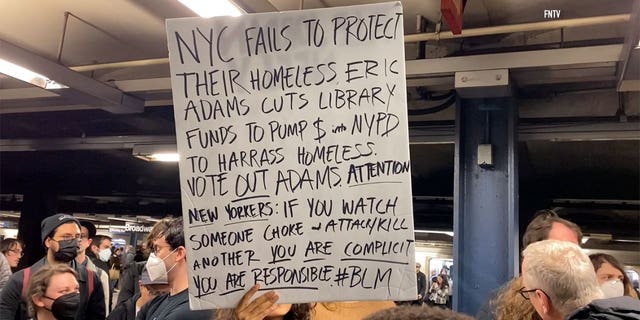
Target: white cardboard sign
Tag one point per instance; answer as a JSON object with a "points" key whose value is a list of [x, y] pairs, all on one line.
{"points": [[294, 155]]}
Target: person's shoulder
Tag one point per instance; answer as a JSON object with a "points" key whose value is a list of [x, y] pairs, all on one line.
{"points": [[176, 308], [151, 306], [615, 305]]}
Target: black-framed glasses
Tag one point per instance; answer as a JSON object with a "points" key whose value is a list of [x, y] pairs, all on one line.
{"points": [[525, 293]]}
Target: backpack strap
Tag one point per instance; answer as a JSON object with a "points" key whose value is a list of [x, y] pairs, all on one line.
{"points": [[90, 282], [25, 280]]}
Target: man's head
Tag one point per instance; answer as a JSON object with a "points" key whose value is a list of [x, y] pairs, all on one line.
{"points": [[418, 267], [149, 288], [12, 250], [60, 234], [87, 232], [546, 224], [557, 278], [101, 247], [168, 249]]}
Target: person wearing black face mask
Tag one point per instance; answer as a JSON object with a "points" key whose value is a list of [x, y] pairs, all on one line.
{"points": [[60, 234], [53, 293]]}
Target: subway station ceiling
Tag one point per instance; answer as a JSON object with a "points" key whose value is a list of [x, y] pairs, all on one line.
{"points": [[576, 88]]}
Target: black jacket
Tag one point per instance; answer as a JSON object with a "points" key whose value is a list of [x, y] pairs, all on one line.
{"points": [[620, 308], [13, 307], [176, 307], [422, 283], [129, 281], [125, 310]]}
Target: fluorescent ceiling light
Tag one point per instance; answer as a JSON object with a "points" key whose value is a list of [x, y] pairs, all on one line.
{"points": [[212, 8], [165, 157], [122, 219], [10, 214], [26, 75], [152, 152]]}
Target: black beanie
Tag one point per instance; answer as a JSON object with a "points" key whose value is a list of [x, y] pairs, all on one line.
{"points": [[51, 223], [91, 228]]}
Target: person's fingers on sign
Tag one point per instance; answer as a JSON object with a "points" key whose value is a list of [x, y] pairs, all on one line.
{"points": [[259, 308]]}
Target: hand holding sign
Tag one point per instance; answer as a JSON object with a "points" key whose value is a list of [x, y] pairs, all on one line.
{"points": [[258, 308]]}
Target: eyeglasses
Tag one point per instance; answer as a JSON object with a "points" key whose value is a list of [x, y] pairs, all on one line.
{"points": [[68, 237], [18, 252], [155, 249], [84, 236], [525, 293]]}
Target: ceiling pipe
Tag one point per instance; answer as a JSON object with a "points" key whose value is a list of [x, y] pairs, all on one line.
{"points": [[122, 64], [523, 27]]}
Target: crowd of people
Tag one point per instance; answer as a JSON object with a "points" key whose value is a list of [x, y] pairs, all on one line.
{"points": [[77, 277]]}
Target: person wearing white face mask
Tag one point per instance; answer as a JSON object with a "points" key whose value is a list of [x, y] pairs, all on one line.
{"points": [[97, 247], [611, 276], [168, 261], [100, 251]]}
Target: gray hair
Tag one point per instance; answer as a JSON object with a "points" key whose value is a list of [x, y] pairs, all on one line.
{"points": [[563, 272]]}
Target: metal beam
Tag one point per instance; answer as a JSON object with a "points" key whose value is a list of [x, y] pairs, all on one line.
{"points": [[560, 131], [434, 73], [440, 134], [111, 99], [485, 218], [513, 60], [256, 6], [91, 143], [26, 93], [626, 72], [580, 131]]}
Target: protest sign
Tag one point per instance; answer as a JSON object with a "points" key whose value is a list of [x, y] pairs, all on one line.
{"points": [[294, 155]]}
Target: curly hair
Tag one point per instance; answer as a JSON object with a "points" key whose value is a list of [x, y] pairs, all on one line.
{"points": [[509, 304], [417, 313], [298, 311]]}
